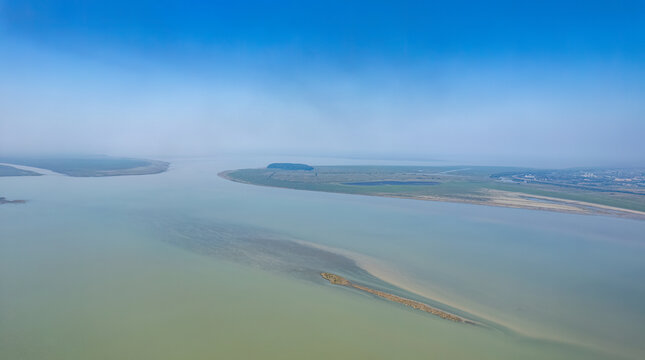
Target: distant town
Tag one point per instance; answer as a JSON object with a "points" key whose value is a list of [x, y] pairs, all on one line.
{"points": [[631, 181]]}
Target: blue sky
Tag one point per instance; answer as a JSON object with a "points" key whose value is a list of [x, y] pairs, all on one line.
{"points": [[559, 83]]}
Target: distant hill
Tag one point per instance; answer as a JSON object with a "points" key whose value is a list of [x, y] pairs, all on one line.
{"points": [[290, 166]]}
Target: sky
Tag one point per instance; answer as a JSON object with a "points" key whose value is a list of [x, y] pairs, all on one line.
{"points": [[549, 83]]}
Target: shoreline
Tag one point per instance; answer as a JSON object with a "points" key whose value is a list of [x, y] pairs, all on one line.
{"points": [[388, 274], [504, 199]]}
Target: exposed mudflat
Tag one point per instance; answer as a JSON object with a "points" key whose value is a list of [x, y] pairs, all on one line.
{"points": [[339, 280]]}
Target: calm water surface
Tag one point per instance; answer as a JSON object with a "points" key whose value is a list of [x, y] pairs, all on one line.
{"points": [[187, 265]]}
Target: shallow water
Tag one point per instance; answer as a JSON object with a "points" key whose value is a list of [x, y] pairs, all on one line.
{"points": [[187, 265]]}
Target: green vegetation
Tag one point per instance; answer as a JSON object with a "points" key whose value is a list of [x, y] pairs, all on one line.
{"points": [[91, 166], [290, 166], [479, 185], [12, 171]]}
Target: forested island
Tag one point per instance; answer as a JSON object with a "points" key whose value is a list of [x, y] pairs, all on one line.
{"points": [[290, 166]]}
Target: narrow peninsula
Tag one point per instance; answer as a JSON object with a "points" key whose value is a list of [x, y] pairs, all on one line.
{"points": [[6, 170], [81, 166]]}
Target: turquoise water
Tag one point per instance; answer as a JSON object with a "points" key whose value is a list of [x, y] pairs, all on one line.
{"points": [[187, 265]]}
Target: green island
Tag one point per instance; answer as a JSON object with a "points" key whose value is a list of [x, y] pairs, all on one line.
{"points": [[597, 191], [339, 280], [82, 166], [290, 166]]}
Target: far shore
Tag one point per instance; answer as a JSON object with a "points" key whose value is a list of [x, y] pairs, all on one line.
{"points": [[498, 198], [151, 167]]}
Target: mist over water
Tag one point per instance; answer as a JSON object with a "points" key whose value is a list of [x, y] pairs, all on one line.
{"points": [[195, 81]]}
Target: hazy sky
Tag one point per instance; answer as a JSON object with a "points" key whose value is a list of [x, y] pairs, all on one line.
{"points": [[549, 82]]}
